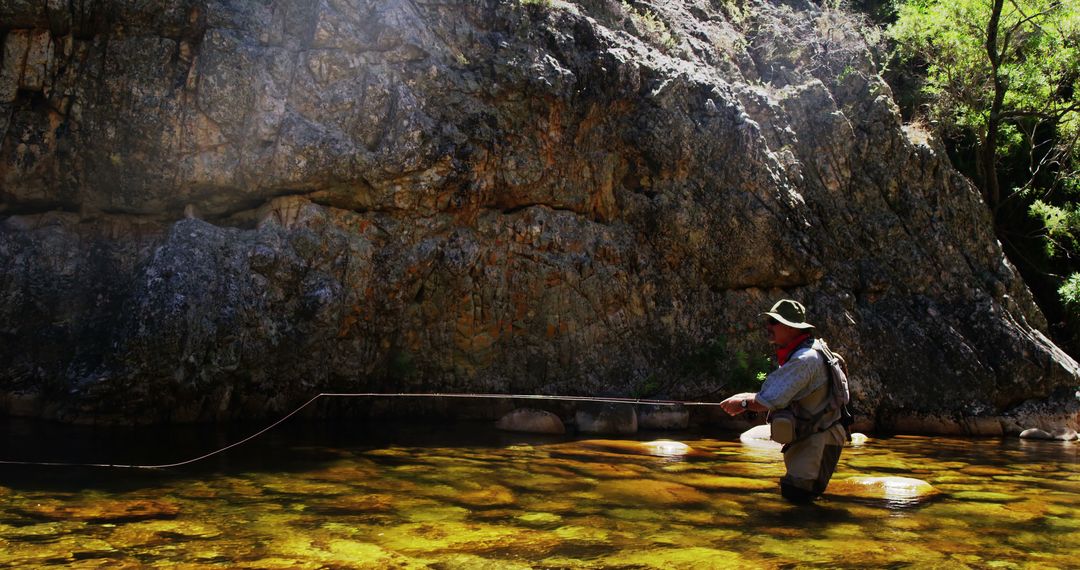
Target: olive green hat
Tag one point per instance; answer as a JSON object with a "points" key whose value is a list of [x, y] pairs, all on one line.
{"points": [[790, 313]]}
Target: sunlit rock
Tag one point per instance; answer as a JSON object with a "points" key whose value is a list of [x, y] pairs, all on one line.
{"points": [[653, 492], [667, 448], [895, 491], [529, 420], [759, 436], [614, 447], [662, 417]]}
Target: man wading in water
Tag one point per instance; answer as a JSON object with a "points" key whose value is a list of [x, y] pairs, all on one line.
{"points": [[800, 386]]}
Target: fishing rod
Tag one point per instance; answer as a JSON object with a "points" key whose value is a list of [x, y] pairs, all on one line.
{"points": [[602, 399]]}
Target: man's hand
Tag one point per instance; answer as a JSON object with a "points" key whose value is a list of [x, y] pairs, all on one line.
{"points": [[734, 405]]}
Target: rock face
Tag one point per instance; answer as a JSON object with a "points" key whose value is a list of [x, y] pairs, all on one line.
{"points": [[215, 209]]}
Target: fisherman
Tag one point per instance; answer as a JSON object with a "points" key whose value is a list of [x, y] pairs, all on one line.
{"points": [[801, 384]]}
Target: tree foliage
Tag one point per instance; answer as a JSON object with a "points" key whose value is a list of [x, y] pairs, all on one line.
{"points": [[1006, 71], [1001, 82]]}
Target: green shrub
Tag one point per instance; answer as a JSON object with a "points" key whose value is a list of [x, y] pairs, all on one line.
{"points": [[654, 29]]}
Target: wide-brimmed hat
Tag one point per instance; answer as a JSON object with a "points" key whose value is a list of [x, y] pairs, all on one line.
{"points": [[790, 313]]}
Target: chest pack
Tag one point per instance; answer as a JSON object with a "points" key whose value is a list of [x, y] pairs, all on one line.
{"points": [[816, 412]]}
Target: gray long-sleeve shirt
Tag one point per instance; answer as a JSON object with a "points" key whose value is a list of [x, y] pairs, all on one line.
{"points": [[803, 373]]}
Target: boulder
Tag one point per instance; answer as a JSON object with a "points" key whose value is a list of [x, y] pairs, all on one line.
{"points": [[757, 434], [1063, 434], [1059, 434], [893, 491], [1035, 433], [531, 421]]}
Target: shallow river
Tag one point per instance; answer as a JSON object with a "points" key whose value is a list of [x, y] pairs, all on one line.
{"points": [[334, 496]]}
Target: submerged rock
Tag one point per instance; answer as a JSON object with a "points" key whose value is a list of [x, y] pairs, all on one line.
{"points": [[100, 510], [614, 448], [653, 492], [725, 482]]}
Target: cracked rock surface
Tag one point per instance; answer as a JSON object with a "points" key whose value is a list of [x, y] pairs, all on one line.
{"points": [[216, 209]]}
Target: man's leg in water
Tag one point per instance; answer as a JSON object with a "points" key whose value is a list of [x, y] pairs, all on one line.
{"points": [[810, 465]]}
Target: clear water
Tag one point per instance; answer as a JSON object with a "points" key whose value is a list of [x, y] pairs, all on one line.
{"points": [[341, 496]]}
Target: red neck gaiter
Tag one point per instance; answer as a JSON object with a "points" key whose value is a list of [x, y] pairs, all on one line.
{"points": [[784, 352]]}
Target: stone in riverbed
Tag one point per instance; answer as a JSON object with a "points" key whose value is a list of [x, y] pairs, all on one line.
{"points": [[1035, 433], [728, 483], [896, 491], [1064, 434], [614, 448], [653, 492], [530, 420], [101, 510], [490, 496], [759, 436]]}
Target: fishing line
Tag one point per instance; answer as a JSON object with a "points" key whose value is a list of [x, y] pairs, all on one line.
{"points": [[603, 399]]}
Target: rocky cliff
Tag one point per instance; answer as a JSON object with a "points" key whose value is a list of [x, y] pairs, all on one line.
{"points": [[215, 209]]}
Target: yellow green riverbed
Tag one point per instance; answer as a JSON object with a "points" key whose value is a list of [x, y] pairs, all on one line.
{"points": [[464, 496]]}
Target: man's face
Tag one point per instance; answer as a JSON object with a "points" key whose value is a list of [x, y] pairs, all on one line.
{"points": [[779, 333]]}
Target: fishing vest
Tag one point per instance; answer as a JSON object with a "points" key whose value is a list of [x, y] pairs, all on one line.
{"points": [[819, 410]]}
